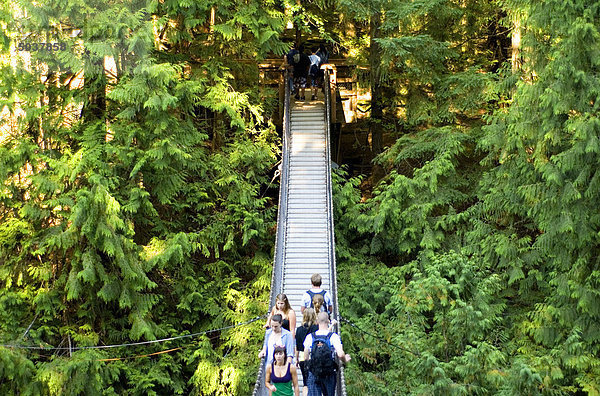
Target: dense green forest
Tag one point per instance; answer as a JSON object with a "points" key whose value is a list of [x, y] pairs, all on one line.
{"points": [[138, 204]]}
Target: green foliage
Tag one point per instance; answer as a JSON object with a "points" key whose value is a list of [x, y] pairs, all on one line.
{"points": [[420, 210], [124, 214], [439, 325], [516, 196], [82, 373], [428, 60], [547, 139], [134, 204], [19, 374]]}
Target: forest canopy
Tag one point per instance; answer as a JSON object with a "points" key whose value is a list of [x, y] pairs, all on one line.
{"points": [[137, 155]]}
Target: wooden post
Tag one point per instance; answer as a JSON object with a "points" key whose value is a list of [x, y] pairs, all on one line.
{"points": [[354, 100], [332, 86], [280, 105]]}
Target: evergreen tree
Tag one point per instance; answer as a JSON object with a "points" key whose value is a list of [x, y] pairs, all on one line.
{"points": [[125, 215], [521, 222], [542, 193]]}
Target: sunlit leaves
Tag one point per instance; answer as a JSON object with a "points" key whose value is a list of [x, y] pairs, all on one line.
{"points": [[123, 214]]}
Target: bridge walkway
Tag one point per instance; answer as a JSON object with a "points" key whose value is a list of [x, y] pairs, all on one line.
{"points": [[305, 239]]}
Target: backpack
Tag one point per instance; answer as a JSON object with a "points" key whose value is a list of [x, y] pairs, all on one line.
{"points": [[293, 56], [322, 363], [323, 56], [311, 293]]}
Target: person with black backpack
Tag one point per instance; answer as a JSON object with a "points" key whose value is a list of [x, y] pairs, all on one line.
{"points": [[299, 63], [289, 61], [320, 349]]}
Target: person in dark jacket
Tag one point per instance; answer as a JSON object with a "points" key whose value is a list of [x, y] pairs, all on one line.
{"points": [[323, 55], [309, 325], [301, 72]]}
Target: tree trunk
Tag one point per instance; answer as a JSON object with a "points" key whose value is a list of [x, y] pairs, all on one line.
{"points": [[375, 129], [516, 45], [95, 86]]}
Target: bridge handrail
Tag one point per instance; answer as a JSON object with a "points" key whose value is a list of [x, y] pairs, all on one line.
{"points": [[277, 275], [341, 388]]}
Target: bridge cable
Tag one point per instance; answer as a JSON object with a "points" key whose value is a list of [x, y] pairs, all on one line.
{"points": [[379, 338], [136, 343]]}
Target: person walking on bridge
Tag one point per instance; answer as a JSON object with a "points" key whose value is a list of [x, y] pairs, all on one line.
{"points": [[300, 64], [277, 336], [282, 374], [320, 348], [282, 306], [307, 297]]}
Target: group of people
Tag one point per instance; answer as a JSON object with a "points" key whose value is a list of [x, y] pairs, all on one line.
{"points": [[312, 345], [306, 69]]}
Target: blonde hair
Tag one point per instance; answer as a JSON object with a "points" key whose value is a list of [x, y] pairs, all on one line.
{"points": [[309, 317], [318, 302]]}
